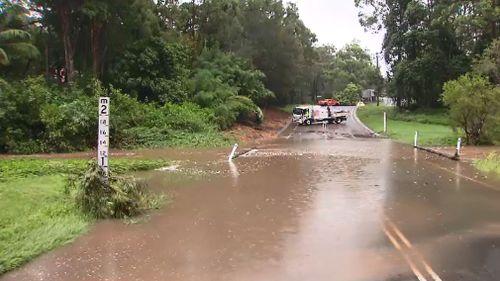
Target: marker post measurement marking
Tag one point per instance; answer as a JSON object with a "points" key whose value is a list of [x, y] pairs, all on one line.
{"points": [[103, 135]]}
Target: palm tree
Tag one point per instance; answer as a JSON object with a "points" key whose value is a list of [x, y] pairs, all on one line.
{"points": [[13, 40], [16, 42]]}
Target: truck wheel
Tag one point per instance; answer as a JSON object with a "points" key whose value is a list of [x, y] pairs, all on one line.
{"points": [[338, 120], [308, 122]]}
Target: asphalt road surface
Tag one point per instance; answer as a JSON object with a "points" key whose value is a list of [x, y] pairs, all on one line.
{"points": [[319, 204]]}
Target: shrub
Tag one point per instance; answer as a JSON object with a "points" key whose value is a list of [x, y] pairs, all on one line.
{"points": [[236, 73], [153, 70], [474, 106], [491, 164], [20, 109], [52, 118], [114, 197], [69, 126], [350, 95], [245, 109]]}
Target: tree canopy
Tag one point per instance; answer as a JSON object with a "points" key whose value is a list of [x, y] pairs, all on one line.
{"points": [[429, 42]]}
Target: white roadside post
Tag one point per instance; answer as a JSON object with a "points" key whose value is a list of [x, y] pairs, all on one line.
{"points": [[231, 156], [103, 135], [459, 147], [415, 142], [385, 122]]}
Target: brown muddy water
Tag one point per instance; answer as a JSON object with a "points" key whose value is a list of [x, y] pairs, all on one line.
{"points": [[317, 205]]}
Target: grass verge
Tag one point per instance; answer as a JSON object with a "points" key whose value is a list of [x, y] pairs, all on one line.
{"points": [[490, 164], [287, 108], [37, 213], [431, 125]]}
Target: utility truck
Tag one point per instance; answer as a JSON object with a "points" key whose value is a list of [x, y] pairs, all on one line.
{"points": [[316, 114]]}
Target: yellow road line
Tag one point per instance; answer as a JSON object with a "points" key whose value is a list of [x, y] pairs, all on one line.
{"points": [[413, 268], [466, 177], [408, 244]]}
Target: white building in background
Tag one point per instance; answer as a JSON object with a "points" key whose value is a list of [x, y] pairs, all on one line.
{"points": [[387, 101], [368, 95]]}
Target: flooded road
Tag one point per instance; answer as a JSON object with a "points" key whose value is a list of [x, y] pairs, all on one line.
{"points": [[319, 204]]}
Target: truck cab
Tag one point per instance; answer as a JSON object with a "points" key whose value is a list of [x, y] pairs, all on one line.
{"points": [[300, 114]]}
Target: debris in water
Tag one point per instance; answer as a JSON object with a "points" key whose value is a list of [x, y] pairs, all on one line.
{"points": [[171, 168]]}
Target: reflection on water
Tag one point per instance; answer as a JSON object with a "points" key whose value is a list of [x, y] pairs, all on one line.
{"points": [[234, 172]]}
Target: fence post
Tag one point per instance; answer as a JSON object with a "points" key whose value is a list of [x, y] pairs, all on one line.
{"points": [[385, 122], [415, 143], [231, 155], [459, 147]]}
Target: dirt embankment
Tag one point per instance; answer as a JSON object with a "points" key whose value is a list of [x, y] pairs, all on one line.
{"points": [[274, 121]]}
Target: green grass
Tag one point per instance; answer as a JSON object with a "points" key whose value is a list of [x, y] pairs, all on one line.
{"points": [[490, 164], [37, 214], [24, 167], [36, 217], [431, 125]]}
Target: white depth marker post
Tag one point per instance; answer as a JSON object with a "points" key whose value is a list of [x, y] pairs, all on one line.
{"points": [[459, 147], [103, 135], [231, 156], [385, 122], [415, 143]]}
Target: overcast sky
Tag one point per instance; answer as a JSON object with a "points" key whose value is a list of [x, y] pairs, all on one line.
{"points": [[336, 22]]}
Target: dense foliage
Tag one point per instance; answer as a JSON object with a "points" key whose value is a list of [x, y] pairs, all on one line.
{"points": [[474, 106], [350, 95], [178, 72], [430, 42], [474, 98], [50, 118]]}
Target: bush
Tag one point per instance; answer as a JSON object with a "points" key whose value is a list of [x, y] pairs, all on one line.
{"points": [[491, 164], [350, 95], [474, 106], [20, 108], [153, 70], [114, 197], [52, 118], [237, 74]]}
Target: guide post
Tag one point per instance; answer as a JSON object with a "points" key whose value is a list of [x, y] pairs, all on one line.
{"points": [[103, 135]]}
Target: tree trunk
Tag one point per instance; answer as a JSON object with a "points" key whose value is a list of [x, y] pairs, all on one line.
{"points": [[64, 14], [96, 43]]}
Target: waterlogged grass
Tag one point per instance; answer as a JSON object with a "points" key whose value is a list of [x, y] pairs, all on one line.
{"points": [[491, 164], [36, 217], [25, 167], [37, 214], [431, 125]]}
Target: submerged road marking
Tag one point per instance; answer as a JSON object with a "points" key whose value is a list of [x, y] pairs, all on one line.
{"points": [[466, 177], [405, 240], [413, 268], [293, 130]]}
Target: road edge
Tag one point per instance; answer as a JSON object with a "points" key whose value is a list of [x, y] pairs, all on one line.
{"points": [[355, 115], [284, 128]]}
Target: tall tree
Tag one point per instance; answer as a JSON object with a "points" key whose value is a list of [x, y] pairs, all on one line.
{"points": [[429, 42]]}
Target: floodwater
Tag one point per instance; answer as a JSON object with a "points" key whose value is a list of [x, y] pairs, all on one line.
{"points": [[319, 204]]}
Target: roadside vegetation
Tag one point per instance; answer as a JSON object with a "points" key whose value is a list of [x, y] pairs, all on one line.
{"points": [[491, 164], [178, 73], [432, 125], [454, 66], [40, 211]]}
